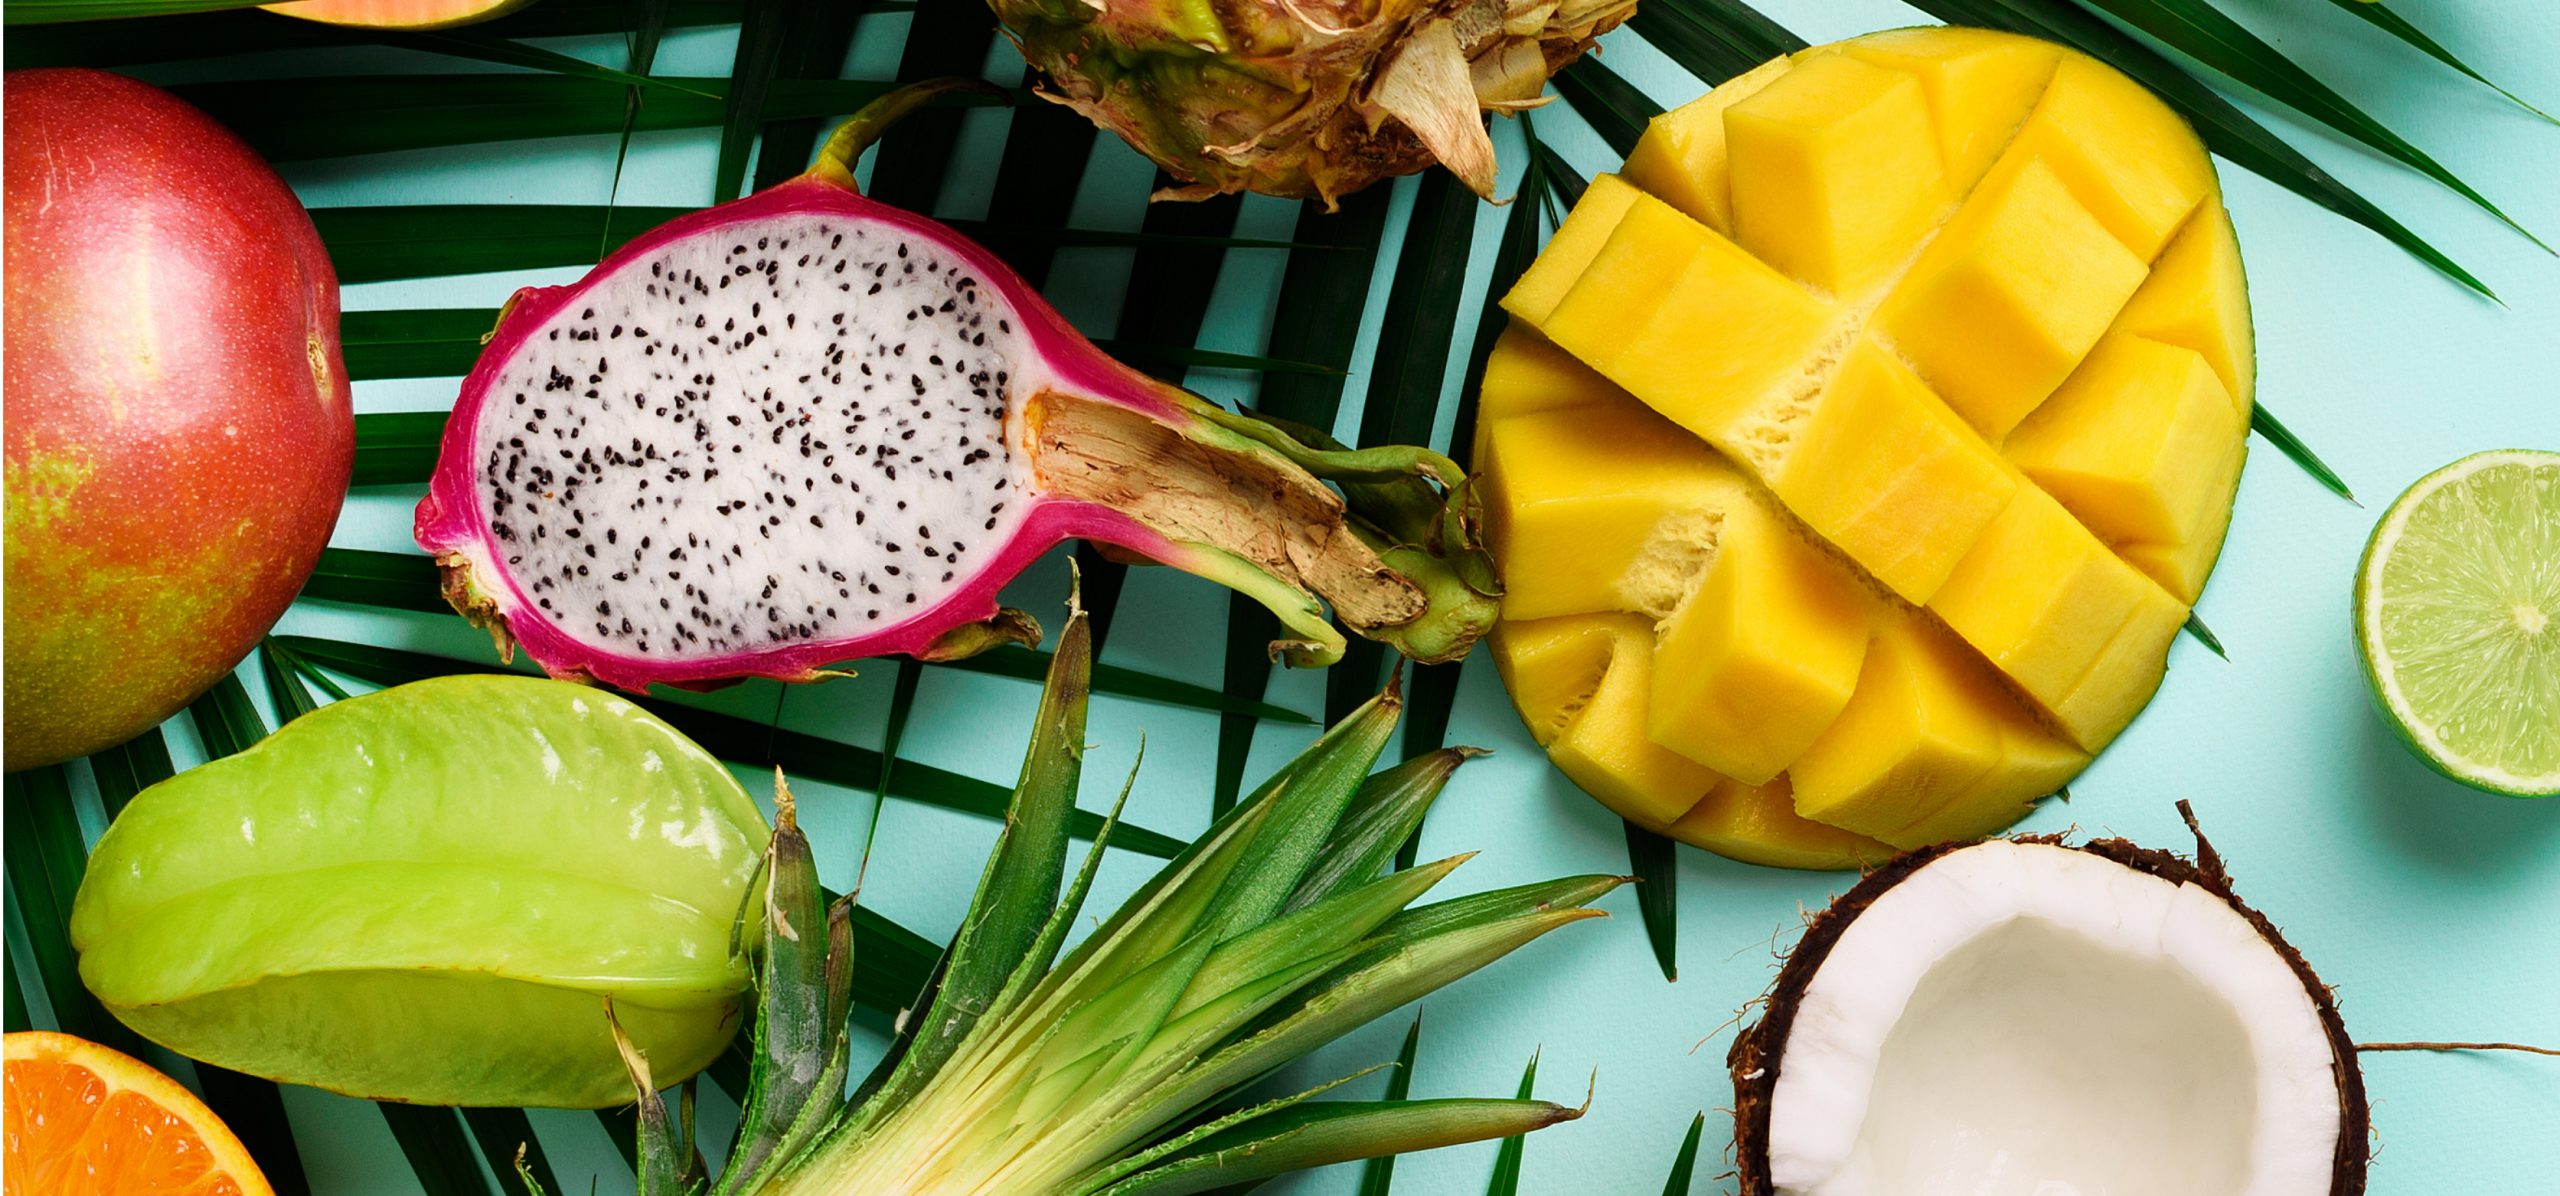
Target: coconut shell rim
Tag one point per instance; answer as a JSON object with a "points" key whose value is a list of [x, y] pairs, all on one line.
{"points": [[1753, 1061]]}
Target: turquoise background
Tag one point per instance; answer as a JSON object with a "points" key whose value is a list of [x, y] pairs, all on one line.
{"points": [[2434, 910]]}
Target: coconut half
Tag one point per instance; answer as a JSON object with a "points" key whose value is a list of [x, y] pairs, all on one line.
{"points": [[2025, 1018]]}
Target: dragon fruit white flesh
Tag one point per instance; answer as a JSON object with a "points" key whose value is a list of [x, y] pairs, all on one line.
{"points": [[806, 427]]}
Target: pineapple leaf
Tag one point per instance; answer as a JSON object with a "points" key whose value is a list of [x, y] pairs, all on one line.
{"points": [[1131, 1165], [791, 1025], [1383, 815], [1378, 1176], [1319, 1133], [2209, 35], [1414, 953], [1506, 1159], [1685, 1164], [2226, 129], [665, 1162], [1655, 862], [1019, 889]]}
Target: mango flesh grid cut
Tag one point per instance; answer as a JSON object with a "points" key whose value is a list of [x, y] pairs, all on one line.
{"points": [[1854, 456]]}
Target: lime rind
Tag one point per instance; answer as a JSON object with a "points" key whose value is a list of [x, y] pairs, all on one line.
{"points": [[2458, 620]]}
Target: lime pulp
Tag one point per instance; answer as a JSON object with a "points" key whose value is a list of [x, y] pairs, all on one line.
{"points": [[2458, 620]]}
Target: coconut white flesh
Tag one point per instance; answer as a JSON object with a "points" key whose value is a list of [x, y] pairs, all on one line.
{"points": [[794, 430], [2018, 1019]]}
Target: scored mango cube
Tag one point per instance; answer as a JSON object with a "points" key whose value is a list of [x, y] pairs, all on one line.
{"points": [[2034, 764], [1681, 158], [1980, 86], [1758, 824], [2135, 443], [1552, 666], [1992, 326], [1526, 374], [1924, 723], [2198, 297], [1604, 748], [1749, 671], [2133, 161], [1712, 329], [2181, 568], [1573, 497], [2128, 668], [2001, 436], [1543, 285], [1885, 471], [2040, 597], [1834, 171]]}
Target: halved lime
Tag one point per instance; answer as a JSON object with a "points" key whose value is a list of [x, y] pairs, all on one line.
{"points": [[2458, 620]]}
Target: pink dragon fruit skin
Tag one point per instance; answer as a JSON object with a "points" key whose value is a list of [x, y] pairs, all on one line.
{"points": [[1090, 449]]}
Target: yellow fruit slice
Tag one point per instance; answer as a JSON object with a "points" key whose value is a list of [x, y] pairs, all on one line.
{"points": [[2045, 601], [2198, 296], [1577, 496], [2135, 443], [1980, 85], [1834, 171], [1758, 824], [83, 1120], [1888, 473], [1985, 316], [1605, 749], [1543, 285], [1925, 725], [1710, 328], [1749, 670], [1965, 319], [1681, 158]]}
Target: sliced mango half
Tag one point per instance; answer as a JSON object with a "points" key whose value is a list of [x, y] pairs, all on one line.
{"points": [[1855, 454]]}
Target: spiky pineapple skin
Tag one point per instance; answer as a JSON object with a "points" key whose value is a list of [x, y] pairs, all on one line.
{"points": [[1282, 97]]}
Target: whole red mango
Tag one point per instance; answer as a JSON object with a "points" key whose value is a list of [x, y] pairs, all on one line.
{"points": [[178, 424]]}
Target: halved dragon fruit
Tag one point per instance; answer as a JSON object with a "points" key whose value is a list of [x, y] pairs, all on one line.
{"points": [[807, 427]]}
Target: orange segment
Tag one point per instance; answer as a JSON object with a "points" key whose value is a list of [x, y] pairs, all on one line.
{"points": [[83, 1120]]}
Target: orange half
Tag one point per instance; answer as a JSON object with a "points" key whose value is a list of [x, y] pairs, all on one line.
{"points": [[83, 1120]]}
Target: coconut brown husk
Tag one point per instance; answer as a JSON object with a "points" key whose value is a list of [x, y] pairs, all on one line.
{"points": [[1758, 1051]]}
